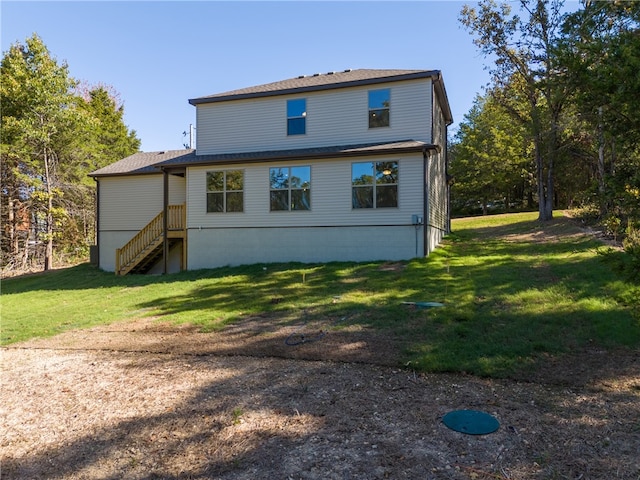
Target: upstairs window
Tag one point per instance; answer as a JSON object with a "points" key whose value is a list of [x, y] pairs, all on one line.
{"points": [[290, 188], [379, 104], [225, 191], [374, 184], [297, 116]]}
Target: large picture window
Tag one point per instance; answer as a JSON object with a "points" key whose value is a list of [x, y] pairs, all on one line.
{"points": [[297, 116], [374, 184], [379, 105], [290, 188], [225, 191]]}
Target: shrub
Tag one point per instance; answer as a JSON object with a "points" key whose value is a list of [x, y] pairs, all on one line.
{"points": [[631, 245]]}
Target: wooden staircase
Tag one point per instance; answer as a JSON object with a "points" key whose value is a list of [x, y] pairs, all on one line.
{"points": [[145, 249]]}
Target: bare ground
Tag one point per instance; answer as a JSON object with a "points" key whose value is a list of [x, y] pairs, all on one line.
{"points": [[146, 400]]}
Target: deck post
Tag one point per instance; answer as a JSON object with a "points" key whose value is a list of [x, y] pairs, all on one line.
{"points": [[165, 223]]}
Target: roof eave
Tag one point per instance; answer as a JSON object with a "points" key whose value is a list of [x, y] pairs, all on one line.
{"points": [[154, 171], [305, 156], [442, 92], [315, 88]]}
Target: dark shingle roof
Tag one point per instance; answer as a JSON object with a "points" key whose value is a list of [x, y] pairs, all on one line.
{"points": [[325, 81], [140, 163], [144, 163]]}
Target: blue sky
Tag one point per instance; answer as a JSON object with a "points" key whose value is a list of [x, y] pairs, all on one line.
{"points": [[157, 55]]}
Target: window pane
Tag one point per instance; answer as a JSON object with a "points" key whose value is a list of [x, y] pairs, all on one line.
{"points": [[379, 98], [362, 173], [379, 103], [215, 181], [296, 108], [279, 200], [300, 177], [378, 118], [235, 180], [234, 202], [301, 199], [362, 197], [387, 196], [386, 172], [296, 126], [279, 178], [215, 202]]}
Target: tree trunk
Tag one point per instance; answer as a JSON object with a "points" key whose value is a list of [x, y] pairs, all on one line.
{"points": [[601, 170], [545, 209], [13, 234], [48, 253]]}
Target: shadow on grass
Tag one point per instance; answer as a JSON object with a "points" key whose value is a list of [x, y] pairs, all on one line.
{"points": [[79, 277], [507, 309], [509, 301]]}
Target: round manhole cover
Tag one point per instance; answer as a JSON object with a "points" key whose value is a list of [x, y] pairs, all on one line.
{"points": [[472, 422]]}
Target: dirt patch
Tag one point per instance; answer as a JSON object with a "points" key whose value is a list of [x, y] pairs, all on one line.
{"points": [[145, 400], [257, 336]]}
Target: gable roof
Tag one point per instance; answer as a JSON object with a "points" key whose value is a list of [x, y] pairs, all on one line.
{"points": [[140, 163], [329, 81], [153, 162], [325, 81]]}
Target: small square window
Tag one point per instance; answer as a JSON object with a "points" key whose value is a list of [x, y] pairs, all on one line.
{"points": [[374, 184], [296, 116], [225, 191], [379, 105], [290, 188]]}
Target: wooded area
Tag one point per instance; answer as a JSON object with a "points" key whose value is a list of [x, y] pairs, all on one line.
{"points": [[55, 130], [559, 124]]}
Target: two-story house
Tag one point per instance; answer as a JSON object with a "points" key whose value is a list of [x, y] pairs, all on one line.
{"points": [[340, 166]]}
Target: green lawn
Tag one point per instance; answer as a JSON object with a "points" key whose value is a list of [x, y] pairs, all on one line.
{"points": [[509, 297]]}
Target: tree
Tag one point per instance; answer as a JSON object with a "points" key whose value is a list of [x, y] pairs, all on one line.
{"points": [[109, 139], [489, 157], [526, 68], [51, 137], [601, 50], [38, 107]]}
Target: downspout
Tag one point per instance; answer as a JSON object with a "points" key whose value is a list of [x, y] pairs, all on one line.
{"points": [[447, 178], [97, 222], [165, 222], [427, 206]]}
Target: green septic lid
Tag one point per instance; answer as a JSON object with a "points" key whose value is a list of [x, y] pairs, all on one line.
{"points": [[429, 304], [424, 304], [471, 422]]}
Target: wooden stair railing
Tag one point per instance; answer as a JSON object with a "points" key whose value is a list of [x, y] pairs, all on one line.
{"points": [[148, 239]]}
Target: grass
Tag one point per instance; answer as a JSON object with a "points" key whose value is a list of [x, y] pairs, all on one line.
{"points": [[509, 297]]}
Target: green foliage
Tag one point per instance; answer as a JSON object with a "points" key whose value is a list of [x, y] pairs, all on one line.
{"points": [[631, 246], [527, 71], [51, 137], [489, 159], [510, 299], [601, 48], [108, 140], [572, 81]]}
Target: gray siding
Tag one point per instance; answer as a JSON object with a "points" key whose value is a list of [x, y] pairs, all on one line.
{"points": [[210, 248], [127, 204], [331, 231], [130, 202], [330, 197], [337, 117], [437, 183]]}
